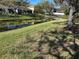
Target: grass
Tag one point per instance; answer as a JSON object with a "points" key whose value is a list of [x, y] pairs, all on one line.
{"points": [[10, 38], [64, 17], [14, 17]]}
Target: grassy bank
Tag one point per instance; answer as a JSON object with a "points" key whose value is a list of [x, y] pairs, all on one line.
{"points": [[10, 38], [14, 17]]}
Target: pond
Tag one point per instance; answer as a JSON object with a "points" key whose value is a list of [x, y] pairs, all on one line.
{"points": [[6, 25]]}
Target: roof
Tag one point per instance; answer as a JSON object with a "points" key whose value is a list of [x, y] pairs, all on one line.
{"points": [[30, 7]]}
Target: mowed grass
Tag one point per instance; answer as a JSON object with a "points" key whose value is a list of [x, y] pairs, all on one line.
{"points": [[10, 38], [14, 17]]}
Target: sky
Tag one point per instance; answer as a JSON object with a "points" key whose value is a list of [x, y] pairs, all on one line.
{"points": [[34, 2]]}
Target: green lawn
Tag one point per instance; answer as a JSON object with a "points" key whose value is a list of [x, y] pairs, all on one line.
{"points": [[14, 17], [10, 38]]}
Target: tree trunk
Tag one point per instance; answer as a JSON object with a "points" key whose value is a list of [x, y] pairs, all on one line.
{"points": [[71, 16], [70, 25]]}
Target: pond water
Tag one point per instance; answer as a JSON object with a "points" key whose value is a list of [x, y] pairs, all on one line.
{"points": [[14, 24], [6, 25]]}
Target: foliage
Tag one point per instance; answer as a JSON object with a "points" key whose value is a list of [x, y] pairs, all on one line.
{"points": [[43, 7], [8, 2], [67, 11], [22, 3], [38, 9]]}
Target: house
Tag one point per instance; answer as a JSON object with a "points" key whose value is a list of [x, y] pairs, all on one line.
{"points": [[16, 9], [30, 9], [58, 14]]}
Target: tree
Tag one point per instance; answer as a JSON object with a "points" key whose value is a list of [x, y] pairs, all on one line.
{"points": [[38, 8], [14, 2], [22, 2], [44, 6], [7, 2], [74, 7]]}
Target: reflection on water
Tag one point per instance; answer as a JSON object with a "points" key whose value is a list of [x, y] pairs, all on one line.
{"points": [[11, 24], [6, 25]]}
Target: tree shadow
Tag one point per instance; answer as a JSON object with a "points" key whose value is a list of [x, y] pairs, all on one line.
{"points": [[58, 45], [38, 57]]}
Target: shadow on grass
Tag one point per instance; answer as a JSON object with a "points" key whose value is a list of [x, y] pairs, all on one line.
{"points": [[38, 57], [60, 46], [52, 44]]}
